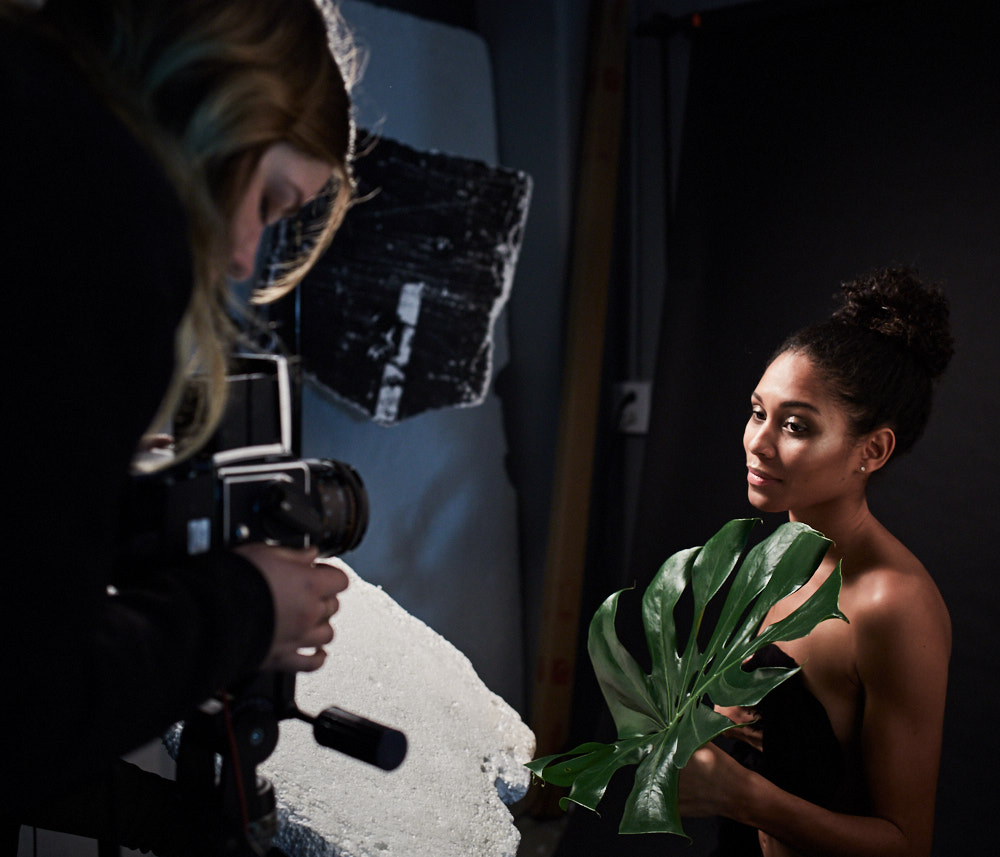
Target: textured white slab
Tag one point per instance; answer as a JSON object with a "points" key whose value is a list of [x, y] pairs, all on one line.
{"points": [[467, 747]]}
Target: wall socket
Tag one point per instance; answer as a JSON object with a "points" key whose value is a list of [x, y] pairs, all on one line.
{"points": [[632, 400]]}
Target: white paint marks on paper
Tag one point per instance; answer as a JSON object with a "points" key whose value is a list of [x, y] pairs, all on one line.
{"points": [[393, 374]]}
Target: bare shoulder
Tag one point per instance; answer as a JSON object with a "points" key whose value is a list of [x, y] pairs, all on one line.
{"points": [[893, 598]]}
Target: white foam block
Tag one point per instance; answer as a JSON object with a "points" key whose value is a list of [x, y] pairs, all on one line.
{"points": [[465, 757]]}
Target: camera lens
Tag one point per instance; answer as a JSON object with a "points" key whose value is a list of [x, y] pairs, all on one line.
{"points": [[342, 502]]}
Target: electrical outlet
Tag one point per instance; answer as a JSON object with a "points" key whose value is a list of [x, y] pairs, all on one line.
{"points": [[632, 399]]}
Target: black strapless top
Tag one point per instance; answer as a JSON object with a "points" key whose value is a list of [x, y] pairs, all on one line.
{"points": [[800, 754]]}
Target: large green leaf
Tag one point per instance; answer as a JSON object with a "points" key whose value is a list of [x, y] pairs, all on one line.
{"points": [[663, 717], [623, 683]]}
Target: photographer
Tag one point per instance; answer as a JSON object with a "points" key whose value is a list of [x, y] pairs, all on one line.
{"points": [[146, 145]]}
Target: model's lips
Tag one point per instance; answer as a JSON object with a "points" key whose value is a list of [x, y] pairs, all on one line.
{"points": [[760, 478]]}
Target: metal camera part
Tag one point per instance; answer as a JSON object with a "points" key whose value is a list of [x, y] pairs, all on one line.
{"points": [[247, 485], [301, 503]]}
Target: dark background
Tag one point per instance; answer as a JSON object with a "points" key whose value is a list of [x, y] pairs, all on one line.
{"points": [[817, 145]]}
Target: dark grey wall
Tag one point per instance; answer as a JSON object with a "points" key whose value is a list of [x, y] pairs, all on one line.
{"points": [[816, 147]]}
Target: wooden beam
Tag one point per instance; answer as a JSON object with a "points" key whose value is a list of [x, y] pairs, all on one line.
{"points": [[589, 280]]}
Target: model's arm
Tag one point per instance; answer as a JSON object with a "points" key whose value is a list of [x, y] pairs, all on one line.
{"points": [[904, 644], [903, 647]]}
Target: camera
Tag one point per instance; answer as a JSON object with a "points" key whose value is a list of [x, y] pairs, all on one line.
{"points": [[246, 485]]}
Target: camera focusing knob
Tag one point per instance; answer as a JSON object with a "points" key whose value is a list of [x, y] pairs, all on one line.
{"points": [[359, 737]]}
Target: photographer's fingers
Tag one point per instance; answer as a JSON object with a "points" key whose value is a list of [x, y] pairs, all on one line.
{"points": [[334, 574], [330, 606], [295, 660], [305, 599], [305, 654]]}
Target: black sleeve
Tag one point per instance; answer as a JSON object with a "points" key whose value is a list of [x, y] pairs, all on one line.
{"points": [[95, 273]]}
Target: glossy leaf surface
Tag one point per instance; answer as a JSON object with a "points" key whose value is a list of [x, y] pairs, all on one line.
{"points": [[663, 717]]}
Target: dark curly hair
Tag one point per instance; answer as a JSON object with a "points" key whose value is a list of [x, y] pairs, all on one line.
{"points": [[882, 351]]}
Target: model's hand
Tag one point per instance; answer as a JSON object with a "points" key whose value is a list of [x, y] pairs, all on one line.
{"points": [[305, 598], [710, 783], [746, 730]]}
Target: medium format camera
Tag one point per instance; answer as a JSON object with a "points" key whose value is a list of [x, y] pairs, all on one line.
{"points": [[247, 485]]}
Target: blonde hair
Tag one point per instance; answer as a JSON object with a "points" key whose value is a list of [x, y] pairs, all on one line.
{"points": [[208, 86]]}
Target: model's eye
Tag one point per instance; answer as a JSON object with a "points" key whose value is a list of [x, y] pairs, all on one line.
{"points": [[795, 426], [757, 414]]}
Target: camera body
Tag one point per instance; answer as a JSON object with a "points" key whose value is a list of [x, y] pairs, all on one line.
{"points": [[247, 485]]}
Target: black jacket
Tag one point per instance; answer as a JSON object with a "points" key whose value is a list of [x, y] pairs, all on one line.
{"points": [[95, 274]]}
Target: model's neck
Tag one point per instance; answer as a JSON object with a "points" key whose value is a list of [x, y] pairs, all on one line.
{"points": [[844, 522]]}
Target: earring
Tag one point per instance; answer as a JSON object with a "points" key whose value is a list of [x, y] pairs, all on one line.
{"points": [[863, 469]]}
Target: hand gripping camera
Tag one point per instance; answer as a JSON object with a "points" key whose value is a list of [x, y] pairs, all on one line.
{"points": [[247, 486]]}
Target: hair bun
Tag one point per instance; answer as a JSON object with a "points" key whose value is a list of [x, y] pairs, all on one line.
{"points": [[895, 303]]}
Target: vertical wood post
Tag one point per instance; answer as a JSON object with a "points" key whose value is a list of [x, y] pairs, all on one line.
{"points": [[589, 279]]}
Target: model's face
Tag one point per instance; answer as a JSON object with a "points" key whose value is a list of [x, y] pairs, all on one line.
{"points": [[800, 452], [285, 179]]}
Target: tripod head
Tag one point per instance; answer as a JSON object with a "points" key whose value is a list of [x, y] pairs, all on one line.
{"points": [[241, 729]]}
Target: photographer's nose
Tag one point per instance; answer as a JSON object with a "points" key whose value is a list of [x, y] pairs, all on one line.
{"points": [[241, 263]]}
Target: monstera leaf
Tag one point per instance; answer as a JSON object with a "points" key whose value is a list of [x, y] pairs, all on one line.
{"points": [[663, 717]]}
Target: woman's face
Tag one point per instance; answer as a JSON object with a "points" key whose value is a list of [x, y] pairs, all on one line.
{"points": [[284, 180], [800, 453]]}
